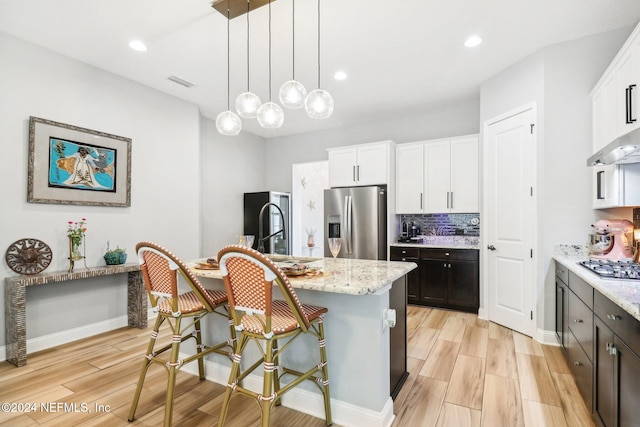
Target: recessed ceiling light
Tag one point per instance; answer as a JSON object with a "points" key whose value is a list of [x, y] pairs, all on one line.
{"points": [[473, 41], [138, 45], [340, 75]]}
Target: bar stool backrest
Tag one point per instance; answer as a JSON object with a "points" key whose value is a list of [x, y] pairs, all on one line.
{"points": [[160, 270], [249, 278]]}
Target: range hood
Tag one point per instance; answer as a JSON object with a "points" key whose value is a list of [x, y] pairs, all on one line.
{"points": [[625, 149]]}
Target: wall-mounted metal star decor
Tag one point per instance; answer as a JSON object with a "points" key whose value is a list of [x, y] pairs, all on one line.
{"points": [[311, 204], [303, 182]]}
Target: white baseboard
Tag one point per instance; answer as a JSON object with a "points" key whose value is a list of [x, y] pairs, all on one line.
{"points": [[547, 337], [343, 413], [63, 337]]}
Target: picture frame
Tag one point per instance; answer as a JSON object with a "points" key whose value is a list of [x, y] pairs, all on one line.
{"points": [[71, 165]]}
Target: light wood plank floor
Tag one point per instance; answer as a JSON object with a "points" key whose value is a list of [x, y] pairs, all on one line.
{"points": [[463, 372]]}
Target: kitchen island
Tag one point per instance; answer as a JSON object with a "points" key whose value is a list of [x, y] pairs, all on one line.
{"points": [[364, 354]]}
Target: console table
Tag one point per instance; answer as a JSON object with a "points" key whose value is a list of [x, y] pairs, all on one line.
{"points": [[15, 302]]}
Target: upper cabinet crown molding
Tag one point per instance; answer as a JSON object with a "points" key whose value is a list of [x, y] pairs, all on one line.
{"points": [[362, 164], [437, 176]]}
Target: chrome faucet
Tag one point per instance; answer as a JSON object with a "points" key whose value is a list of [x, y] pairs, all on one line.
{"points": [[262, 239]]}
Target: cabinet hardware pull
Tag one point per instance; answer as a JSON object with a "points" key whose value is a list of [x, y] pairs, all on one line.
{"points": [[420, 200], [446, 253], [600, 185], [445, 265], [627, 100], [404, 259], [491, 248], [577, 363], [612, 317], [577, 320], [449, 265], [629, 94], [452, 200], [354, 173]]}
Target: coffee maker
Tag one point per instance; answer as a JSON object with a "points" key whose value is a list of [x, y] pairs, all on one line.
{"points": [[410, 232]]}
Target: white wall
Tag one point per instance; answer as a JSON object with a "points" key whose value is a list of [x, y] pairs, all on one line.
{"points": [[559, 79], [165, 183], [460, 117], [231, 166]]}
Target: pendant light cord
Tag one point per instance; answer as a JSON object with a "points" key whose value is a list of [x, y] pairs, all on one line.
{"points": [[228, 60], [318, 44], [269, 50], [248, 9], [293, 33]]}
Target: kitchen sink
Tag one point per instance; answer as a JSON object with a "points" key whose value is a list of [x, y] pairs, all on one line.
{"points": [[291, 259]]}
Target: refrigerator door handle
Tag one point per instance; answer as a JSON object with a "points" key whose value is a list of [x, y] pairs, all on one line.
{"points": [[349, 224]]}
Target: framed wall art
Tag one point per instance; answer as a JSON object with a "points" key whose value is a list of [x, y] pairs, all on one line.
{"points": [[71, 165]]}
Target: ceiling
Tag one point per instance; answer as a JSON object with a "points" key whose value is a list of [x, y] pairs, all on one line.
{"points": [[401, 56]]}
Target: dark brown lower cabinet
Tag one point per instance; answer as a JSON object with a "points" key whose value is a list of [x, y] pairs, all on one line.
{"points": [[449, 278], [617, 379], [409, 254]]}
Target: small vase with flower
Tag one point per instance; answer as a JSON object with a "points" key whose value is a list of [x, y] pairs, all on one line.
{"points": [[76, 232]]}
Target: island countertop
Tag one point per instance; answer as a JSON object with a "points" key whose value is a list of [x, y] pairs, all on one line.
{"points": [[340, 275]]}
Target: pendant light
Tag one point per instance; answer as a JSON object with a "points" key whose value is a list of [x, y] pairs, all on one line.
{"points": [[247, 103], [292, 92], [228, 122], [270, 114], [318, 104]]}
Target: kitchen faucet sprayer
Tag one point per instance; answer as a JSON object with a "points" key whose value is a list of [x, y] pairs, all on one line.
{"points": [[262, 239]]}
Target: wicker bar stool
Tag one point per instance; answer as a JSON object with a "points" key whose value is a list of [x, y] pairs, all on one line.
{"points": [[249, 278], [160, 270]]}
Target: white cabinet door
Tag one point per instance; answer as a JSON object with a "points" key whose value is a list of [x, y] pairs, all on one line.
{"points": [[606, 184], [409, 178], [372, 165], [604, 113], [464, 175], [437, 183], [342, 167], [627, 79]]}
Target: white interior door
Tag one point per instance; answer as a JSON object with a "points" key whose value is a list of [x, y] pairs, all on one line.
{"points": [[510, 220]]}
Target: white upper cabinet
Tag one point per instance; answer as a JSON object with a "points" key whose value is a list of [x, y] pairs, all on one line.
{"points": [[604, 113], [615, 99], [627, 77], [615, 108], [464, 175], [409, 178], [359, 165], [439, 176]]}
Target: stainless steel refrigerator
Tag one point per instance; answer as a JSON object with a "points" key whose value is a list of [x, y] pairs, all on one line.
{"points": [[276, 217], [358, 215]]}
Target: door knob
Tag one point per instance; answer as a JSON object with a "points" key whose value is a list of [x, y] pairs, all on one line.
{"points": [[491, 248]]}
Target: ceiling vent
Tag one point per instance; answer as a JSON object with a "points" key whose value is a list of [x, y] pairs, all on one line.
{"points": [[180, 81]]}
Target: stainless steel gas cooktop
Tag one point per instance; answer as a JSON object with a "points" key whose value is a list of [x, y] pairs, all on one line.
{"points": [[613, 269]]}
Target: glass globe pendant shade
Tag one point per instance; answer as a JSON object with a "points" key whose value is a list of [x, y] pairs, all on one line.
{"points": [[247, 105], [270, 115], [292, 94], [228, 123], [318, 104]]}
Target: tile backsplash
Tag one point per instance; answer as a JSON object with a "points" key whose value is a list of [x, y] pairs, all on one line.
{"points": [[445, 224]]}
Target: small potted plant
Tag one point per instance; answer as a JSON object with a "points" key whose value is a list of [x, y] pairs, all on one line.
{"points": [[115, 256]]}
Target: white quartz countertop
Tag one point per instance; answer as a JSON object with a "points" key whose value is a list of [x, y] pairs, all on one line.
{"points": [[340, 275], [625, 293]]}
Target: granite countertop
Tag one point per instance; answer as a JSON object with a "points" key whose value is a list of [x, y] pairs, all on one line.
{"points": [[445, 242], [340, 275], [625, 293]]}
